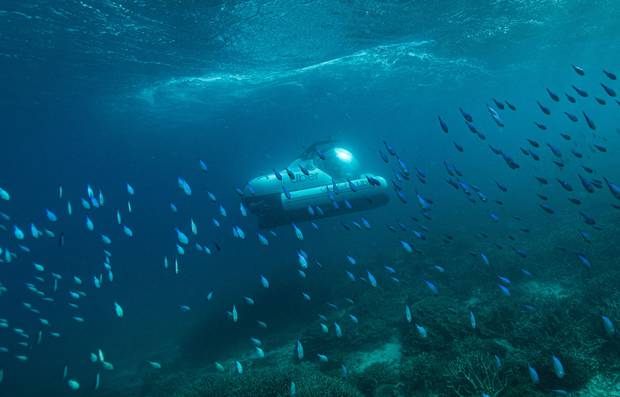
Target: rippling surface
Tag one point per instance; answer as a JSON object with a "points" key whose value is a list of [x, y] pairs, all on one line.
{"points": [[171, 53]]}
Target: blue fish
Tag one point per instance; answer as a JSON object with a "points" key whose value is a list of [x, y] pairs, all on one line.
{"points": [[533, 374], [432, 287], [610, 330], [584, 260], [443, 124], [50, 215], [558, 368]]}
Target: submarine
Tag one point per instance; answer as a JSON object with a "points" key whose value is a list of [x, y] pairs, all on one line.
{"points": [[323, 181]]}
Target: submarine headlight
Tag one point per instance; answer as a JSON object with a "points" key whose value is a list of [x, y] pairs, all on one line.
{"points": [[343, 155]]}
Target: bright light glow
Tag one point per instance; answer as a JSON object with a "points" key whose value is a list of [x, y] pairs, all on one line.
{"points": [[343, 154]]}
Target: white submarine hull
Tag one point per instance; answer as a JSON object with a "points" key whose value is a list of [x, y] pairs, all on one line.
{"points": [[311, 196]]}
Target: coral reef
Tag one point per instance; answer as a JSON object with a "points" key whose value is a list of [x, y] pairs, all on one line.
{"points": [[558, 313], [264, 382], [475, 374], [377, 380]]}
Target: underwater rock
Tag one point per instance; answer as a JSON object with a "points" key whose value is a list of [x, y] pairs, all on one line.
{"points": [[378, 380]]}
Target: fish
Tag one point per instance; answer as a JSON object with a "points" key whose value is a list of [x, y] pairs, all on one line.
{"points": [[543, 108], [547, 208], [578, 70], [472, 320], [586, 236], [106, 240], [610, 75], [406, 246], [570, 98], [580, 92], [184, 186], [154, 364], [181, 237], [613, 188], [73, 384], [444, 126], [4, 195], [554, 97], [408, 315], [128, 232], [540, 125], [203, 166], [571, 117], [119, 310], [298, 232], [533, 374], [337, 330], [558, 368], [262, 239], [587, 218], [589, 121], [51, 216], [554, 149], [600, 148], [610, 330], [466, 116], [431, 286], [299, 350], [495, 116], [587, 185], [18, 233], [567, 186], [421, 331], [499, 104], [584, 260], [234, 314], [371, 278], [264, 282], [301, 259], [533, 143]]}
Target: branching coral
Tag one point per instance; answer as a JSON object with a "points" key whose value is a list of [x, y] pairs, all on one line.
{"points": [[475, 374], [264, 382]]}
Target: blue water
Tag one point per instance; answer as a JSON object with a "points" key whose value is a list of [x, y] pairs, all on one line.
{"points": [[107, 93]]}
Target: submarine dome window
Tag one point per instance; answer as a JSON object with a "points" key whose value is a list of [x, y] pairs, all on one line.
{"points": [[344, 155]]}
